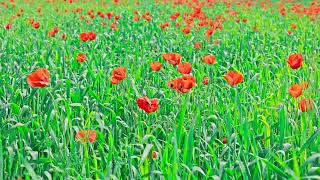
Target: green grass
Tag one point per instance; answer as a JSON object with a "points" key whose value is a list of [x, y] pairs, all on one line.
{"points": [[267, 136]]}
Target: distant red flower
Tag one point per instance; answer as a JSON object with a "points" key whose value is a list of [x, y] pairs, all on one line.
{"points": [[92, 36], [156, 66], [136, 18], [172, 58], [84, 37], [209, 59], [81, 57], [63, 36], [36, 25], [295, 90], [86, 135], [233, 78], [224, 140], [182, 84], [185, 68], [289, 31], [154, 154], [186, 30], [118, 75], [31, 20], [39, 78], [197, 45], [148, 105], [305, 105], [205, 80], [8, 26], [293, 26], [295, 61], [51, 33], [55, 29], [245, 20]]}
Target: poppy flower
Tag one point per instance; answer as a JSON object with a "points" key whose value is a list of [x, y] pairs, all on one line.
{"points": [[86, 135], [184, 68], [197, 45], [81, 57], [31, 20], [233, 78], [51, 33], [136, 18], [293, 26], [245, 20], [84, 37], [186, 30], [63, 36], [289, 32], [55, 29], [36, 25], [118, 75], [205, 80], [39, 78], [172, 58], [182, 84], [224, 141], [209, 59], [92, 36], [8, 26], [295, 61], [295, 90], [156, 66], [148, 105], [305, 105], [154, 154]]}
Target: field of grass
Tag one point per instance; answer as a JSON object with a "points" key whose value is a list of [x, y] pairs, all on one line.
{"points": [[84, 118]]}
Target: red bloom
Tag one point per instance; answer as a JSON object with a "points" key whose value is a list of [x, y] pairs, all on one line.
{"points": [[295, 90], [294, 26], [8, 26], [205, 81], [86, 135], [305, 105], [233, 78], [136, 18], [92, 36], [156, 66], [148, 105], [186, 30], [36, 25], [84, 37], [118, 75], [55, 29], [154, 154], [185, 68], [295, 61], [63, 36], [182, 84], [172, 58], [39, 78], [81, 57], [209, 59], [197, 45]]}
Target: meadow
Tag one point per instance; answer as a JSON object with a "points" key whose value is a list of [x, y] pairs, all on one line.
{"points": [[159, 89]]}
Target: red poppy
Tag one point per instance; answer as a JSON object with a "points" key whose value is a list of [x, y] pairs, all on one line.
{"points": [[8, 26], [295, 90], [209, 59], [86, 135], [182, 84], [36, 25], [31, 20], [154, 154], [156, 66], [293, 26], [136, 18], [81, 57], [39, 78], [51, 33], [205, 80], [295, 61], [185, 68], [224, 140], [84, 37], [55, 29], [63, 36], [305, 105], [186, 30], [233, 78], [245, 20], [118, 75], [92, 36], [148, 105], [289, 31], [172, 58], [197, 45]]}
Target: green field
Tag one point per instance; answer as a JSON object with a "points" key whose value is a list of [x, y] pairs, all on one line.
{"points": [[67, 115]]}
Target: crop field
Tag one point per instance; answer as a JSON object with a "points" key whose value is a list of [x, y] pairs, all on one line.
{"points": [[159, 89]]}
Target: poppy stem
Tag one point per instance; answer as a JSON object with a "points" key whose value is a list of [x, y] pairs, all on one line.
{"points": [[134, 87]]}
